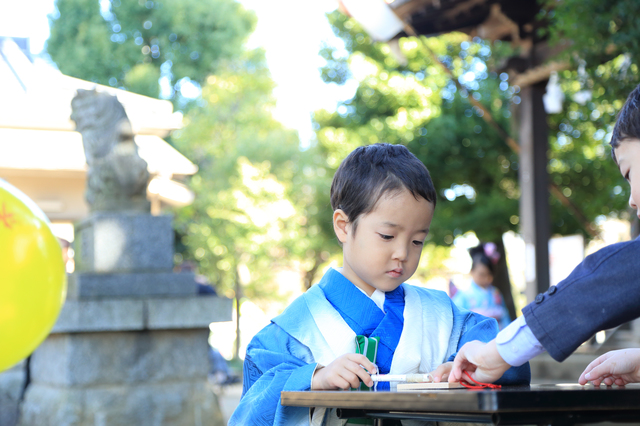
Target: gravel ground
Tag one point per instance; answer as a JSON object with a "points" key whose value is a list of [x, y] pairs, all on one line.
{"points": [[228, 397]]}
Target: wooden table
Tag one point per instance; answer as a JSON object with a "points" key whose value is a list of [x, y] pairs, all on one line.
{"points": [[559, 404]]}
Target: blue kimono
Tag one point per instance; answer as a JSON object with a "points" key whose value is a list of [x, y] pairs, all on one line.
{"points": [[321, 325]]}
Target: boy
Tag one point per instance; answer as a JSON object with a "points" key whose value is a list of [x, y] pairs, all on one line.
{"points": [[602, 292], [383, 201]]}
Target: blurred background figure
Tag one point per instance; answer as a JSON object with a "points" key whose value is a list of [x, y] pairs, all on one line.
{"points": [[481, 296], [65, 249], [220, 373], [67, 254], [452, 288], [204, 285]]}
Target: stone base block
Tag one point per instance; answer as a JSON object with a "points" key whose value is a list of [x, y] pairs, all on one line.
{"points": [[176, 403], [100, 315], [125, 358], [158, 313], [166, 313], [124, 242], [12, 382], [164, 284]]}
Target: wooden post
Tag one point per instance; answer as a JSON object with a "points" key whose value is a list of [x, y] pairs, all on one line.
{"points": [[238, 290], [534, 201]]}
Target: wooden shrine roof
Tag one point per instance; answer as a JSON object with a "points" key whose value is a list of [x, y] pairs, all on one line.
{"points": [[507, 20]]}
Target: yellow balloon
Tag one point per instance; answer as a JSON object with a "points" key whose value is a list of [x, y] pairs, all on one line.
{"points": [[33, 281]]}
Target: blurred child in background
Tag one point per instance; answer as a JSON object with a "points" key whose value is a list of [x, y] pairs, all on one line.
{"points": [[481, 296]]}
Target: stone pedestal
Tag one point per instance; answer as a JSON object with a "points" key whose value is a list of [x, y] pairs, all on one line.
{"points": [[12, 384], [123, 242], [119, 378], [130, 344]]}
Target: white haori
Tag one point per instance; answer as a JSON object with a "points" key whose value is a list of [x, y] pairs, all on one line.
{"points": [[425, 342]]}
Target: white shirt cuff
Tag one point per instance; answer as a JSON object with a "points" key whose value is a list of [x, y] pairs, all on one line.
{"points": [[516, 344]]}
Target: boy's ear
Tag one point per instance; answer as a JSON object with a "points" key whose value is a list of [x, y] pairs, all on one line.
{"points": [[340, 224]]}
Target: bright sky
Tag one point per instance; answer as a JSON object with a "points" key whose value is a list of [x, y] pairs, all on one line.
{"points": [[291, 32]]}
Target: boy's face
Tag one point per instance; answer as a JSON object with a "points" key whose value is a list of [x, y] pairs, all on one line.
{"points": [[386, 248], [628, 156]]}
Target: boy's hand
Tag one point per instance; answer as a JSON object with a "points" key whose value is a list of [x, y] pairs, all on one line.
{"points": [[481, 360], [343, 373], [616, 367], [441, 374]]}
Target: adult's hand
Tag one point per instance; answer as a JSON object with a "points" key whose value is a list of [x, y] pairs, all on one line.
{"points": [[616, 367], [481, 360]]}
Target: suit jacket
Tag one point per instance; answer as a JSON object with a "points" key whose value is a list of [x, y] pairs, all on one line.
{"points": [[602, 292]]}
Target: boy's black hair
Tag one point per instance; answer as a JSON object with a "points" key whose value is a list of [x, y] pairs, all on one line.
{"points": [[371, 171], [628, 121]]}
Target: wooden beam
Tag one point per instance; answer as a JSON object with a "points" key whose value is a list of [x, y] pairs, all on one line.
{"points": [[535, 226]]}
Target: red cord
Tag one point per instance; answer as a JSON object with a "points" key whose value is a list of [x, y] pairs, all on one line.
{"points": [[478, 385]]}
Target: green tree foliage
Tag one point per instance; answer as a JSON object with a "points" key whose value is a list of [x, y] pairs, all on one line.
{"points": [[248, 220], [603, 38], [143, 79], [243, 218], [229, 133], [600, 41], [134, 42], [79, 42], [417, 105], [580, 163], [311, 190]]}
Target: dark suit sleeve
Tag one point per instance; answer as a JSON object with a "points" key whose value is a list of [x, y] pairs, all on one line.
{"points": [[602, 292]]}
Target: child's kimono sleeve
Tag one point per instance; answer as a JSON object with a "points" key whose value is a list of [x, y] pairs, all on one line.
{"points": [[274, 362], [472, 326]]}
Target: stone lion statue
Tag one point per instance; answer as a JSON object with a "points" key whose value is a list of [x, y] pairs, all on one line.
{"points": [[117, 177]]}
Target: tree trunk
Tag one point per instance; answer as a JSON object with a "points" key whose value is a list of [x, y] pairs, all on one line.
{"points": [[311, 273], [502, 281], [238, 290], [635, 224]]}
